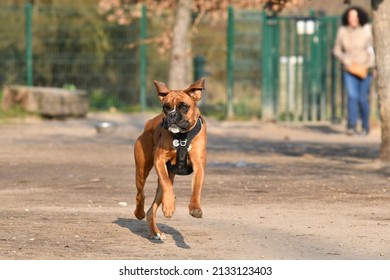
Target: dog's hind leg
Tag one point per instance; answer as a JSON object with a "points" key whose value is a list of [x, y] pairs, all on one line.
{"points": [[155, 233], [143, 165]]}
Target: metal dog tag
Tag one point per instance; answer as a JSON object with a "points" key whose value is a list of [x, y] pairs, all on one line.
{"points": [[175, 143], [183, 143]]}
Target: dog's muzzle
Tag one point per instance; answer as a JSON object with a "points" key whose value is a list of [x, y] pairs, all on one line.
{"points": [[175, 122]]}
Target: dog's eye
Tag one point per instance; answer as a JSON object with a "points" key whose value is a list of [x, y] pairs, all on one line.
{"points": [[183, 107], [167, 107]]}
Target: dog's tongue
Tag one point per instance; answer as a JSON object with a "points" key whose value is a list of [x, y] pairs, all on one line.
{"points": [[174, 128]]}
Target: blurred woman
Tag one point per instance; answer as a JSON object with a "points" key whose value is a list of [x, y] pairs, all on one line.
{"points": [[354, 49]]}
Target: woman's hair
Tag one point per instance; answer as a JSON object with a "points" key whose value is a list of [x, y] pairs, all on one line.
{"points": [[362, 15]]}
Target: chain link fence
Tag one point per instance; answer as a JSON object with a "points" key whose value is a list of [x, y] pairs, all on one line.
{"points": [[70, 47]]}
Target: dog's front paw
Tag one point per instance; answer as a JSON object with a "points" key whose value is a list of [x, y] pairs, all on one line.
{"points": [[168, 209], [168, 205]]}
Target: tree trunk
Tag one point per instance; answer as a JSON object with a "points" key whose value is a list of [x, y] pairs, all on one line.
{"points": [[381, 29], [179, 64]]}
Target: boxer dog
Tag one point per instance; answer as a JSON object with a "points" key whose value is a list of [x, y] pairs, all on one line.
{"points": [[174, 142]]}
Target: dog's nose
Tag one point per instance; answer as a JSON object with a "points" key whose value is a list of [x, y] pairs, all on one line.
{"points": [[173, 115]]}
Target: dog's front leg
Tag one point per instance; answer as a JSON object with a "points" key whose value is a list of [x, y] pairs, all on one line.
{"points": [[168, 195], [197, 184], [198, 160]]}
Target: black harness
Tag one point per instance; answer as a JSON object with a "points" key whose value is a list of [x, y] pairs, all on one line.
{"points": [[181, 142]]}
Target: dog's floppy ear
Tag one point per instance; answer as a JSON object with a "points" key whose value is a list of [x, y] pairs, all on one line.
{"points": [[195, 90], [162, 89]]}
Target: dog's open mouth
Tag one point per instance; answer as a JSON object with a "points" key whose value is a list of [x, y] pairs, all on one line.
{"points": [[177, 127], [174, 128]]}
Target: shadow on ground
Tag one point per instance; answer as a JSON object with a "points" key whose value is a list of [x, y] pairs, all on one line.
{"points": [[296, 148], [140, 228]]}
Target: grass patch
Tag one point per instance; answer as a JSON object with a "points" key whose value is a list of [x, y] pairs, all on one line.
{"points": [[15, 112]]}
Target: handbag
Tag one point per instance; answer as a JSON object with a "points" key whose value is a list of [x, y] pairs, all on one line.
{"points": [[358, 70]]}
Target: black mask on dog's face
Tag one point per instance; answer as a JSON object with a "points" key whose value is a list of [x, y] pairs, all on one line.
{"points": [[176, 117], [179, 106]]}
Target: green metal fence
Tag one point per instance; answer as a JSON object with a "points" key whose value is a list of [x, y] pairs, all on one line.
{"points": [[284, 68], [245, 66], [71, 46], [300, 80]]}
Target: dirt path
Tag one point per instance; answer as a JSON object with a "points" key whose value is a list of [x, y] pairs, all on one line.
{"points": [[272, 191]]}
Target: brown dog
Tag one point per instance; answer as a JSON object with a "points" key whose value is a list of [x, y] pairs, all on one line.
{"points": [[174, 142]]}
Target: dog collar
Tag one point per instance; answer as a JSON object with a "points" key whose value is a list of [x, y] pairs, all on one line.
{"points": [[181, 142]]}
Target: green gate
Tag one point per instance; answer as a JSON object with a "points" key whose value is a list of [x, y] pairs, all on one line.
{"points": [[300, 77]]}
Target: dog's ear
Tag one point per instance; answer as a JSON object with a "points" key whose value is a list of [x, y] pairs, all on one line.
{"points": [[195, 90], [162, 89]]}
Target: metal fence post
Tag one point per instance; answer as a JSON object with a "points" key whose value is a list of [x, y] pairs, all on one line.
{"points": [[298, 73], [306, 73], [315, 87], [270, 67], [323, 35], [333, 74], [29, 56], [230, 61], [288, 85], [199, 62], [143, 59]]}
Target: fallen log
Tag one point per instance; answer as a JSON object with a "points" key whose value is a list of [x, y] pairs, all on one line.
{"points": [[47, 101]]}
